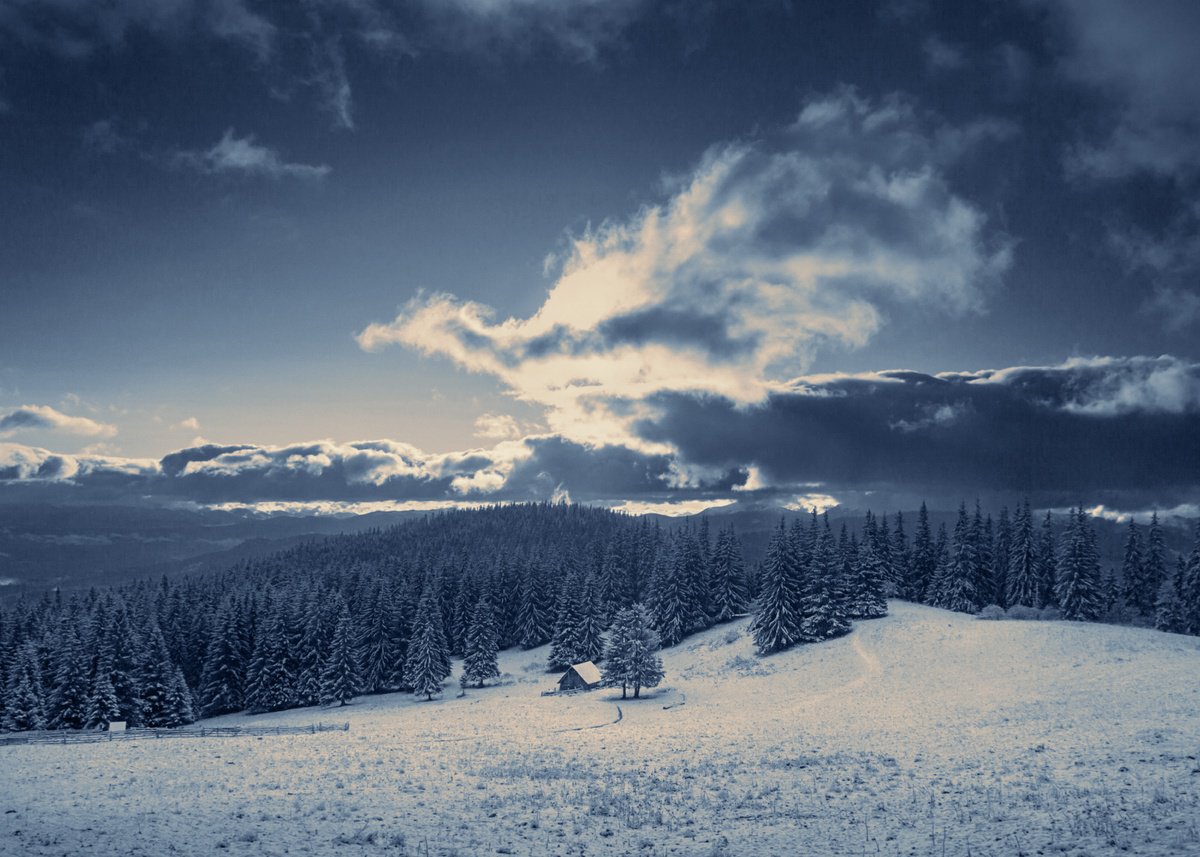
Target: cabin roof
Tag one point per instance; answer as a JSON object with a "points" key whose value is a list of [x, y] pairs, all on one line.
{"points": [[588, 671]]}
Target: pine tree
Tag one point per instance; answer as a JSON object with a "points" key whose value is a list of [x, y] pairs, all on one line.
{"points": [[1190, 589], [923, 561], [776, 623], [25, 700], [1135, 591], [534, 617], [69, 701], [565, 644], [671, 595], [629, 657], [1001, 557], [868, 585], [312, 652], [1078, 586], [426, 665], [823, 614], [1024, 584], [102, 699], [1169, 614], [480, 661], [376, 641], [269, 684], [1047, 565], [223, 679], [727, 578], [339, 678], [1154, 566], [181, 708], [155, 675], [960, 591], [589, 636]]}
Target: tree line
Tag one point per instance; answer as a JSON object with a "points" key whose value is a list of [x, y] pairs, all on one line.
{"points": [[388, 610]]}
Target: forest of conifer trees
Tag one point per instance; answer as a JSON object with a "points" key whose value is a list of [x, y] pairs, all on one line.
{"points": [[388, 610]]}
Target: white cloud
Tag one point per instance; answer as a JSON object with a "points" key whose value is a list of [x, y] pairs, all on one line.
{"points": [[242, 156], [188, 424], [497, 426], [46, 418], [808, 502], [764, 254], [672, 509]]}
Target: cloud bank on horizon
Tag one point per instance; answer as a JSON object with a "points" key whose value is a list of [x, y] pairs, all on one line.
{"points": [[1117, 432]]}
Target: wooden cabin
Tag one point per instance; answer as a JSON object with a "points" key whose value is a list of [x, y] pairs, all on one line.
{"points": [[584, 676]]}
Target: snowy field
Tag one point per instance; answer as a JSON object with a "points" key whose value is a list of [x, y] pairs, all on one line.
{"points": [[923, 733]]}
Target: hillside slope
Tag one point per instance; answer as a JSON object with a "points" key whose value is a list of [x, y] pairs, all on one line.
{"points": [[925, 732]]}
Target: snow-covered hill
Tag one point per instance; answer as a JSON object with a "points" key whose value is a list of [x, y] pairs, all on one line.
{"points": [[923, 733]]}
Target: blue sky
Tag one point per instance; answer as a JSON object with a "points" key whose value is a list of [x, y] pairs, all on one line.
{"points": [[245, 228]]}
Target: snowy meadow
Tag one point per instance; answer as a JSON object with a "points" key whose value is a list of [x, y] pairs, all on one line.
{"points": [[925, 732]]}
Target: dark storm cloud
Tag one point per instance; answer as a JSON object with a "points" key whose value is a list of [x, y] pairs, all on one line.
{"points": [[1086, 426]]}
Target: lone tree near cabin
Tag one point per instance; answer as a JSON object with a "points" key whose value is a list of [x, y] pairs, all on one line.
{"points": [[629, 658]]}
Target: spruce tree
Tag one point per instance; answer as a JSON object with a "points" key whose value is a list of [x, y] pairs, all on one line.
{"points": [[480, 661], [629, 657], [269, 684], [1001, 558], [565, 645], [923, 561], [868, 586], [1190, 588], [224, 671], [776, 623], [155, 676], [69, 700], [1135, 589], [960, 590], [339, 678], [1154, 566], [1023, 584], [823, 612], [1047, 565], [25, 700], [376, 641], [671, 594], [727, 577], [590, 635], [1169, 613], [1078, 586], [425, 667], [535, 619], [102, 699]]}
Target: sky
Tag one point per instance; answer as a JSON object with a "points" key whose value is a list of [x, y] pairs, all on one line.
{"points": [[658, 255]]}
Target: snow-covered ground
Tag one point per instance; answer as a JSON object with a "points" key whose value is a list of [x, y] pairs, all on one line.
{"points": [[923, 733]]}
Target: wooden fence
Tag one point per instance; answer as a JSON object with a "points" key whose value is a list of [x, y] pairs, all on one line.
{"points": [[74, 736]]}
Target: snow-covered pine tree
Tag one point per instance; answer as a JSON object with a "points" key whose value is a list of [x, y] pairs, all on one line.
{"points": [[121, 649], [480, 661], [1047, 564], [1077, 588], [376, 640], [1190, 590], [727, 573], [68, 704], [1169, 612], [181, 708], [590, 635], [339, 678], [269, 684], [535, 621], [424, 668], [1001, 557], [868, 598], [313, 650], [960, 587], [224, 670], [901, 557], [671, 594], [923, 561], [154, 677], [629, 656], [102, 699], [25, 697], [564, 644], [1023, 584], [776, 623], [1154, 565], [1138, 601], [823, 615]]}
